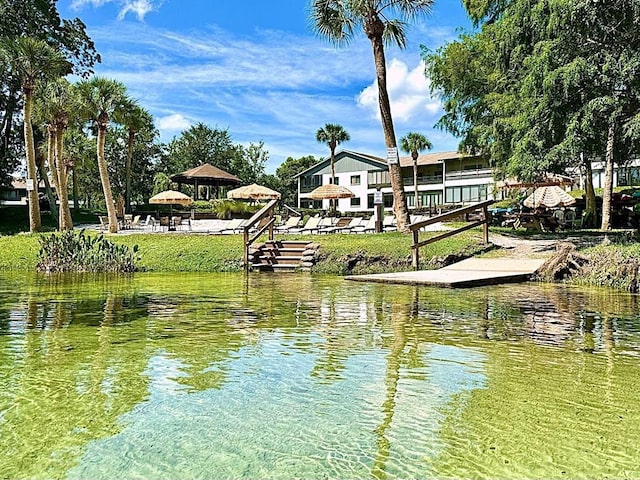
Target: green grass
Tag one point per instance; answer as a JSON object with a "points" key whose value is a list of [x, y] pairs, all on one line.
{"points": [[340, 253]]}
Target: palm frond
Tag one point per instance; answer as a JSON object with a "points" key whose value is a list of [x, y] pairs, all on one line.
{"points": [[394, 32], [331, 19]]}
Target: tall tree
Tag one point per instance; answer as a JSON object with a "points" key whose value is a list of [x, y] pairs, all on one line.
{"points": [[537, 97], [38, 19], [286, 173], [55, 105], [412, 143], [32, 61], [249, 165], [134, 118], [337, 21], [100, 98], [332, 135]]}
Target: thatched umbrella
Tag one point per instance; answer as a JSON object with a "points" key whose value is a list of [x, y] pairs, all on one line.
{"points": [[205, 175], [171, 198], [331, 192], [253, 192], [550, 197]]}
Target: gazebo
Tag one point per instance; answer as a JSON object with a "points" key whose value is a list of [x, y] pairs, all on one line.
{"points": [[205, 175]]}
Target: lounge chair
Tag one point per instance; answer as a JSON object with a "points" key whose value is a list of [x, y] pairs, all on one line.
{"points": [[232, 226], [368, 227], [343, 225], [309, 227], [292, 222], [135, 223], [389, 224]]}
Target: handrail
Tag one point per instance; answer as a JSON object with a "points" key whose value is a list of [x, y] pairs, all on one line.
{"points": [[267, 210], [415, 228]]}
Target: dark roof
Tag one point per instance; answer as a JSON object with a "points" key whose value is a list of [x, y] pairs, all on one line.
{"points": [[206, 175], [380, 162]]}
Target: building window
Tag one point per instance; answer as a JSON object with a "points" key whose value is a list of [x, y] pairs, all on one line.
{"points": [[355, 202], [355, 179], [471, 193], [335, 181]]}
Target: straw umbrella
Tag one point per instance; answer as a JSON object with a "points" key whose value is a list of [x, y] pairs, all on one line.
{"points": [[549, 197], [253, 192], [171, 198], [331, 192]]}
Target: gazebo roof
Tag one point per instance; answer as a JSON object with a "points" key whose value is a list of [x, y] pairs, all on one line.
{"points": [[206, 175]]}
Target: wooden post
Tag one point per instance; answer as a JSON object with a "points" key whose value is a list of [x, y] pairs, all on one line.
{"points": [[245, 246], [485, 225], [415, 253], [271, 224]]}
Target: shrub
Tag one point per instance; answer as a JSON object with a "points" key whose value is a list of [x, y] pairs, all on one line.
{"points": [[77, 252]]}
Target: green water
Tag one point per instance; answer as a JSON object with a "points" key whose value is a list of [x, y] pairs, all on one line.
{"points": [[293, 376]]}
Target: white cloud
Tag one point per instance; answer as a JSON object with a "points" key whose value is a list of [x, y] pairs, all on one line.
{"points": [[139, 7], [172, 123], [408, 93]]}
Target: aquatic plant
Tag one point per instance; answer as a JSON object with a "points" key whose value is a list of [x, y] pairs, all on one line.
{"points": [[78, 252]]}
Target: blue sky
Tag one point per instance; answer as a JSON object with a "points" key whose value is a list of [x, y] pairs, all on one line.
{"points": [[255, 68]]}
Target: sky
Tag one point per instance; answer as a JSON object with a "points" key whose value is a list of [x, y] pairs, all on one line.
{"points": [[256, 69]]}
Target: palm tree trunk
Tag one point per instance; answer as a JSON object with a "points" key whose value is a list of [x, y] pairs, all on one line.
{"points": [[47, 186], [76, 196], [333, 203], [395, 174], [127, 172], [607, 194], [66, 223], [591, 209], [104, 178], [35, 221]]}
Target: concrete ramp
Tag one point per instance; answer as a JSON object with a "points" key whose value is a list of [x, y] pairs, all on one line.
{"points": [[472, 272]]}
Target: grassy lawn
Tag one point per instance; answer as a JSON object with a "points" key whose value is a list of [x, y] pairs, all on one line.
{"points": [[339, 253]]}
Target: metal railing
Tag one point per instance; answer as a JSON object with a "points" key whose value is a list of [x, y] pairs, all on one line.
{"points": [[267, 213], [464, 211]]}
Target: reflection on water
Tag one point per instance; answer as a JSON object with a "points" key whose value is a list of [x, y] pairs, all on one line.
{"points": [[218, 376]]}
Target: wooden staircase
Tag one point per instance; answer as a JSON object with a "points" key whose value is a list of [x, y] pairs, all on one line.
{"points": [[281, 255]]}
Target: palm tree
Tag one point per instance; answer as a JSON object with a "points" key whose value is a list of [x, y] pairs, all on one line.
{"points": [[54, 106], [134, 118], [33, 61], [413, 143], [100, 98], [337, 21], [333, 135]]}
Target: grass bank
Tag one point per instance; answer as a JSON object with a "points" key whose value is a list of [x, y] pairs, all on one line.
{"points": [[339, 254]]}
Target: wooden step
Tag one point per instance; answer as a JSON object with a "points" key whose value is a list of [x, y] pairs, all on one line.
{"points": [[279, 260], [277, 266], [283, 252], [287, 243]]}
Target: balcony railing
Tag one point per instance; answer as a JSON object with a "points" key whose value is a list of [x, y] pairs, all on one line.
{"points": [[462, 174], [423, 180]]}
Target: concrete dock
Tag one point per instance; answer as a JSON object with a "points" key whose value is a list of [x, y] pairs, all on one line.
{"points": [[472, 272]]}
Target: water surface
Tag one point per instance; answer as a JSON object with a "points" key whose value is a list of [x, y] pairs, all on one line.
{"points": [[294, 376]]}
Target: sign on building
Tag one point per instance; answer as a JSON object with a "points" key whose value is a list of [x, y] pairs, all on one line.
{"points": [[31, 185]]}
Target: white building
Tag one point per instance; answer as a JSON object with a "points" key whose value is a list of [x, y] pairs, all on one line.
{"points": [[443, 178]]}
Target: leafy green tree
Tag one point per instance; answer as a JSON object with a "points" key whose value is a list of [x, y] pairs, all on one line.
{"points": [[81, 161], [538, 96], [135, 119], [37, 19], [198, 145], [145, 151], [338, 20], [100, 98], [249, 165], [412, 143], [286, 173], [32, 61]]}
